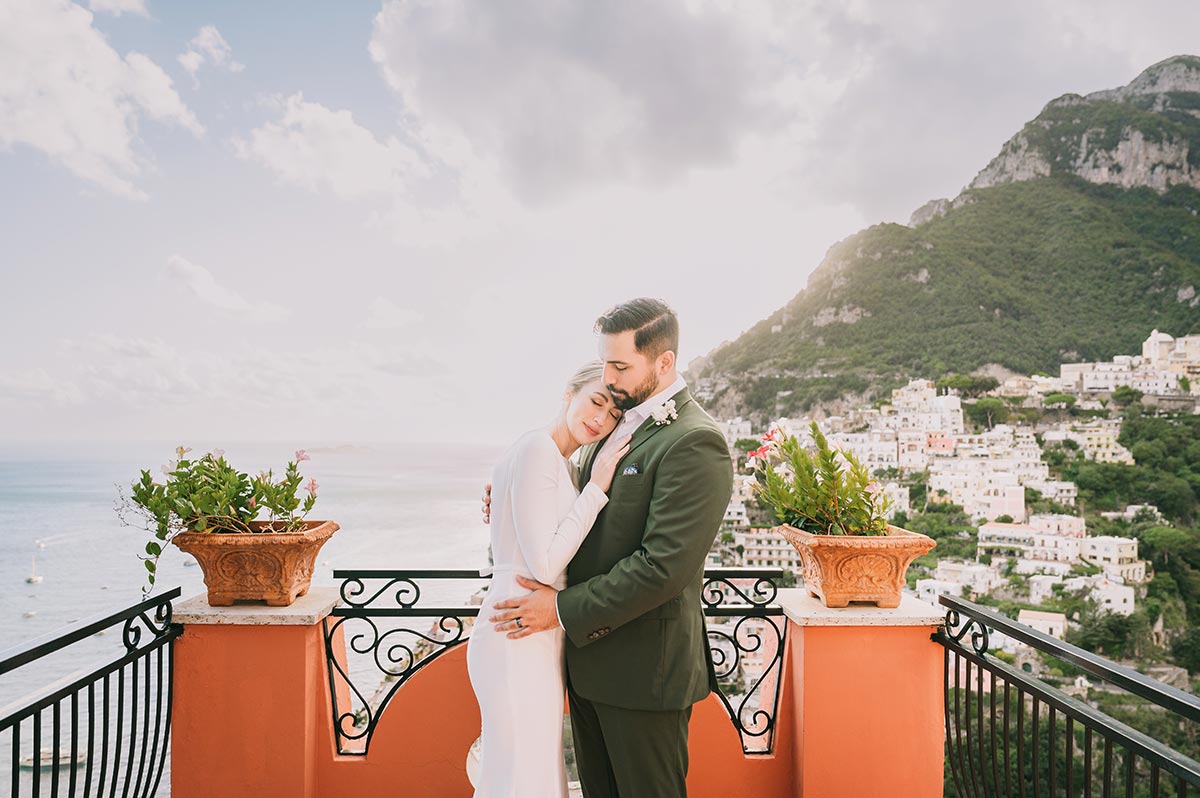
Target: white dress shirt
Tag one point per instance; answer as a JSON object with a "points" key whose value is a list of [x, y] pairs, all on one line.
{"points": [[630, 422]]}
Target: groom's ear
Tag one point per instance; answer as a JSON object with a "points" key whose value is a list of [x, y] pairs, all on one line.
{"points": [[666, 361]]}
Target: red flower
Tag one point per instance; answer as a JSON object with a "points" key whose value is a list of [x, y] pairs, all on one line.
{"points": [[760, 452]]}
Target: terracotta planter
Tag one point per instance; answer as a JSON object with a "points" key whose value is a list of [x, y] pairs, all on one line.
{"points": [[275, 567], [839, 569]]}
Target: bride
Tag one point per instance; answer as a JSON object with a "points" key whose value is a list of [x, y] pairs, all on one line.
{"points": [[539, 519]]}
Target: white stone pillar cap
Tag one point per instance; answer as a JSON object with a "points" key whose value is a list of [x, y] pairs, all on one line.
{"points": [[307, 610], [803, 609]]}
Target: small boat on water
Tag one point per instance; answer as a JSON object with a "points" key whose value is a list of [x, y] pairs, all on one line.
{"points": [[33, 577], [47, 759]]}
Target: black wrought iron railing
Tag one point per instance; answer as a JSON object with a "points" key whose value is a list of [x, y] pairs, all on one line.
{"points": [[101, 730], [392, 628], [1010, 733]]}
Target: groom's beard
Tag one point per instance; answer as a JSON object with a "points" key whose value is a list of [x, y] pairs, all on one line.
{"points": [[628, 401]]}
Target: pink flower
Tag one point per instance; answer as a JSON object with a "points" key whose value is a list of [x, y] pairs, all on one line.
{"points": [[301, 456], [219, 452], [311, 487], [873, 488], [252, 503]]}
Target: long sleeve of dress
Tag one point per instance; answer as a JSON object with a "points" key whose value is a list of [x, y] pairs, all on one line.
{"points": [[547, 541]]}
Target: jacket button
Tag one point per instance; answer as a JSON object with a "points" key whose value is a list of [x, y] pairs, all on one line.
{"points": [[593, 635]]}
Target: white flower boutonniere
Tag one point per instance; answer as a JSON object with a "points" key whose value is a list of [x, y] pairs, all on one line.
{"points": [[664, 414]]}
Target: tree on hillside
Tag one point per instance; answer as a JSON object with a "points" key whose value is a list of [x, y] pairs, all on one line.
{"points": [[988, 411], [967, 384], [1123, 395], [1059, 400]]}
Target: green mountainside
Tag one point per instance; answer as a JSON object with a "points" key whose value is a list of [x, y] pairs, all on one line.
{"points": [[1076, 241]]}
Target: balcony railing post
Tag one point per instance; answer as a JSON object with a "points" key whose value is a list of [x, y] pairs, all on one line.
{"points": [[1036, 769], [251, 710], [869, 710]]}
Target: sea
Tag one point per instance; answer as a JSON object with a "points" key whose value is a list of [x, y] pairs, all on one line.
{"points": [[398, 506]]}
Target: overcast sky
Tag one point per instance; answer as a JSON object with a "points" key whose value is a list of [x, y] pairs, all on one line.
{"points": [[355, 221]]}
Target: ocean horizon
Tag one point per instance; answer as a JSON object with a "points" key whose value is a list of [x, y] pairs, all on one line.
{"points": [[397, 505]]}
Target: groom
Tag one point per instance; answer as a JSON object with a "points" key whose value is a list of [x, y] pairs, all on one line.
{"points": [[636, 649]]}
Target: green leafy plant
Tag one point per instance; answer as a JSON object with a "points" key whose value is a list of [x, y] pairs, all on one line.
{"points": [[825, 491], [207, 494]]}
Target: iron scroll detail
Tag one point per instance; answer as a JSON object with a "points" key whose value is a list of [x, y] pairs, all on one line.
{"points": [[391, 631], [957, 629]]}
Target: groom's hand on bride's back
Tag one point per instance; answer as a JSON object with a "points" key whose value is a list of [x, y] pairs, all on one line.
{"points": [[487, 503], [536, 612]]}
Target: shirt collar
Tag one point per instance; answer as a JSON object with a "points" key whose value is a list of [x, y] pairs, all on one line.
{"points": [[643, 411]]}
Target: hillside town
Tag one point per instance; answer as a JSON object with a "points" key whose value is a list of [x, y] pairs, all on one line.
{"points": [[1032, 538]]}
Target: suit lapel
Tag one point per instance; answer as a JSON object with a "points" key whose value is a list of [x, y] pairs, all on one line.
{"points": [[649, 428]]}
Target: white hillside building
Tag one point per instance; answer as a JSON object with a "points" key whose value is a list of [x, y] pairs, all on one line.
{"points": [[1118, 557], [1005, 539], [917, 406], [1050, 623], [762, 548], [1110, 595], [1057, 538], [981, 491]]}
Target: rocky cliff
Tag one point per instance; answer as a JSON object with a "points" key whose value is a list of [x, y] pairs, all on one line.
{"points": [[1146, 133], [1080, 236]]}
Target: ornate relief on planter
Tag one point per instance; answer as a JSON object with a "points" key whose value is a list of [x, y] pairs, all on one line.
{"points": [[839, 569], [275, 567]]}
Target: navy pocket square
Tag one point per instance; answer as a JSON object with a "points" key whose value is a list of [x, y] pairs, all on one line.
{"points": [[631, 470]]}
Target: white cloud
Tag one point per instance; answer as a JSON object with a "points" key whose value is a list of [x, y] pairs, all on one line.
{"points": [[561, 95], [421, 199], [384, 314], [37, 387], [204, 286], [415, 365], [208, 47], [875, 103], [131, 372], [119, 7], [260, 390], [65, 92], [319, 148]]}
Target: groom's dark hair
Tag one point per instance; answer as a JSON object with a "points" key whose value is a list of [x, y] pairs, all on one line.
{"points": [[656, 328]]}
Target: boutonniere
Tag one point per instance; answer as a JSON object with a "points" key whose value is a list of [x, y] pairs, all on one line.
{"points": [[664, 414]]}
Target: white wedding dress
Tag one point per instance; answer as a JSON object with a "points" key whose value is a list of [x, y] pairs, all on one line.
{"points": [[539, 518]]}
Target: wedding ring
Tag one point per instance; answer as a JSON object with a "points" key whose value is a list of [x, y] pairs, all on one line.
{"points": [[519, 624]]}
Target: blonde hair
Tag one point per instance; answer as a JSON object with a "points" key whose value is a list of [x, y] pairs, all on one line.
{"points": [[592, 370]]}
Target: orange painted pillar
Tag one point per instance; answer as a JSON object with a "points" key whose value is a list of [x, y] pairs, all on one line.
{"points": [[867, 686], [249, 706]]}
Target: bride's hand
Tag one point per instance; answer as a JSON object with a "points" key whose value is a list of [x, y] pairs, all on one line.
{"points": [[606, 465]]}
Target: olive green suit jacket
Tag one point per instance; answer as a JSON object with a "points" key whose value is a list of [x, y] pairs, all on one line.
{"points": [[631, 609]]}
